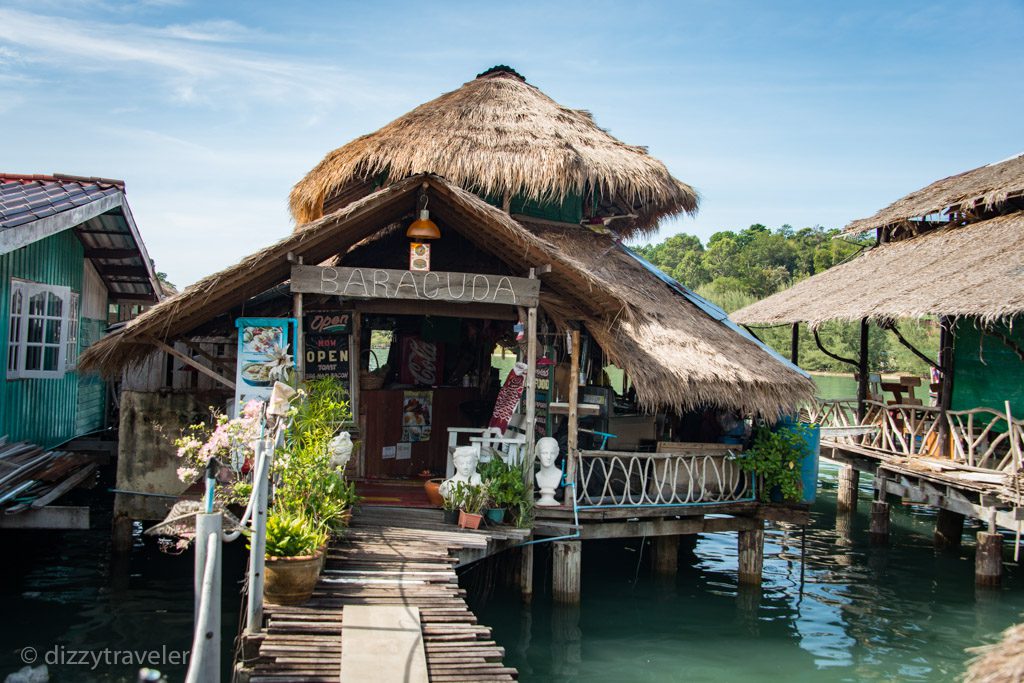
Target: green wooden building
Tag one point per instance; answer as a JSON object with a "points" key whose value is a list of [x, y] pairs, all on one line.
{"points": [[69, 249]]}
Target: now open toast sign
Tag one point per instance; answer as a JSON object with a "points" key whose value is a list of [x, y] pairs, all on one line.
{"points": [[380, 283]]}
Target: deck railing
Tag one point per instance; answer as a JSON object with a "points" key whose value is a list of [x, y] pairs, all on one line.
{"points": [[626, 479], [980, 437]]}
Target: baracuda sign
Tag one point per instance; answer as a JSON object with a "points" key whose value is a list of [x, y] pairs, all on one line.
{"points": [[380, 283]]}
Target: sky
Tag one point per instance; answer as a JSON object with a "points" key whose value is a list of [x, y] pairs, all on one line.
{"points": [[799, 113]]}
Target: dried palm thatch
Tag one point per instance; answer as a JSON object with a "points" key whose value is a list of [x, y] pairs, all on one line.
{"points": [[678, 355], [979, 190], [1001, 662], [976, 270], [500, 137]]}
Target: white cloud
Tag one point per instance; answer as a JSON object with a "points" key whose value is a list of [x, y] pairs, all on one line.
{"points": [[191, 59]]}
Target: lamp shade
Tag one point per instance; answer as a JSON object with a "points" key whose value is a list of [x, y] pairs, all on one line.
{"points": [[423, 228]]}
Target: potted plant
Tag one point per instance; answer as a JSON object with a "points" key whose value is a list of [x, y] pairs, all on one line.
{"points": [[775, 458], [472, 500], [292, 558], [505, 489], [450, 504]]}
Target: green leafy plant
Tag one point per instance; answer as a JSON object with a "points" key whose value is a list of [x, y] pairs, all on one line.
{"points": [[306, 483], [291, 535], [504, 483], [470, 498], [775, 458], [450, 498]]}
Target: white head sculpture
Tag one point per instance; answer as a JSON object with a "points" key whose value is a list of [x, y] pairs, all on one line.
{"points": [[466, 459], [549, 477]]}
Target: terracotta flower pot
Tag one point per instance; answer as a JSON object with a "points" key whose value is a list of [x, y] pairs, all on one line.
{"points": [[291, 580], [433, 490], [469, 521]]}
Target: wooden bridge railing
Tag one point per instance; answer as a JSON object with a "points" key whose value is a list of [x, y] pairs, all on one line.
{"points": [[627, 479], [980, 437]]}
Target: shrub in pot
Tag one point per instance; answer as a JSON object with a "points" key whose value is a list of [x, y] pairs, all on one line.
{"points": [[292, 558], [505, 488], [471, 504], [774, 458]]}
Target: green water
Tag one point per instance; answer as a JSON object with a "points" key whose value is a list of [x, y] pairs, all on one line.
{"points": [[860, 613], [902, 612]]}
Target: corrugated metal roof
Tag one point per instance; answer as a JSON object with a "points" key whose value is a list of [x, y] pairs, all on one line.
{"points": [[28, 202]]}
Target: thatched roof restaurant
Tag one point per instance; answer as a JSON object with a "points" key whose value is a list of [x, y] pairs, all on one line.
{"points": [[502, 138], [973, 270], [680, 356], [950, 249]]}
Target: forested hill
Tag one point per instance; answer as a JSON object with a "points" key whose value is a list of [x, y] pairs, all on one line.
{"points": [[735, 269]]}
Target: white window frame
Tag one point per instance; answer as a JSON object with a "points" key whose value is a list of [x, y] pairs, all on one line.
{"points": [[18, 329]]}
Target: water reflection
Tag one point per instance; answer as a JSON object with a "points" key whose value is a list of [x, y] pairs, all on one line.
{"points": [[840, 610]]}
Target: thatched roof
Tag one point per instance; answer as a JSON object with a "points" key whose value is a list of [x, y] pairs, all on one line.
{"points": [[678, 355], [499, 136], [975, 270], [980, 190], [1001, 662]]}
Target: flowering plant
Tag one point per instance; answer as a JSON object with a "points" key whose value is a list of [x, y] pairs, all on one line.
{"points": [[230, 441]]}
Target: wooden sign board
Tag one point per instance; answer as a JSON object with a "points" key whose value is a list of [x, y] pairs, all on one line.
{"points": [[379, 283]]}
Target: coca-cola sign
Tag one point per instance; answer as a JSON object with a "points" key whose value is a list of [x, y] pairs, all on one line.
{"points": [[422, 362]]}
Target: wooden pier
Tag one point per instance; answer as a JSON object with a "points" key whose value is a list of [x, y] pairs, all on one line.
{"points": [[390, 556]]}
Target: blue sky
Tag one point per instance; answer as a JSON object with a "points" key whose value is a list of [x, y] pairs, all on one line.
{"points": [[802, 113]]}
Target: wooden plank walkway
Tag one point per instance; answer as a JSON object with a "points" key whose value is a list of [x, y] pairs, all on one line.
{"points": [[390, 556]]}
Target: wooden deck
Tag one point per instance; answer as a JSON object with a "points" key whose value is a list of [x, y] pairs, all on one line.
{"points": [[391, 556]]}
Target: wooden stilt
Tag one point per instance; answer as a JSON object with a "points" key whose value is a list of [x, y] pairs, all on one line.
{"points": [[949, 529], [526, 573], [879, 529], [988, 559], [751, 556], [666, 555], [849, 481], [122, 534], [565, 575]]}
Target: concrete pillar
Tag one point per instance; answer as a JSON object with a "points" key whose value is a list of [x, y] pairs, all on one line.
{"points": [[751, 555], [949, 529], [988, 560], [565, 575], [526, 573], [849, 481], [666, 555], [879, 529]]}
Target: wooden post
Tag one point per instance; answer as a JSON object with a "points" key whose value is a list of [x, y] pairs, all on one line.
{"points": [[988, 560], [354, 335], [794, 344], [300, 340], [531, 390], [666, 555], [879, 529], [565, 575], [574, 398], [949, 529], [862, 370], [946, 342], [526, 573], [122, 533], [849, 482], [751, 555]]}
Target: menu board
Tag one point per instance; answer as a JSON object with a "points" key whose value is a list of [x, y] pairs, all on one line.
{"points": [[263, 358]]}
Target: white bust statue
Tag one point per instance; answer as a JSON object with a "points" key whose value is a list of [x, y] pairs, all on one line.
{"points": [[549, 477], [340, 450], [465, 459]]}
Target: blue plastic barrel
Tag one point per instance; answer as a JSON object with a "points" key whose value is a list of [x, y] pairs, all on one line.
{"points": [[809, 464]]}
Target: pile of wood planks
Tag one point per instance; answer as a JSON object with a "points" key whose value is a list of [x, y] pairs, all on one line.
{"points": [[31, 477]]}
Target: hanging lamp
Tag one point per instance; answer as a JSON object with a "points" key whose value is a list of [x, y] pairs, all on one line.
{"points": [[423, 228]]}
